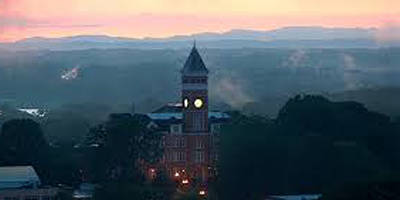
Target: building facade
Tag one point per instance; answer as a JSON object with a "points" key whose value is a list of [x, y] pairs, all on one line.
{"points": [[190, 130], [195, 155]]}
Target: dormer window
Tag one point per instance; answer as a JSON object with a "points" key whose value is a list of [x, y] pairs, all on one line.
{"points": [[176, 129]]}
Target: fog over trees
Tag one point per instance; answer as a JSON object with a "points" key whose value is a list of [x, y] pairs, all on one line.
{"points": [[303, 120], [249, 79]]}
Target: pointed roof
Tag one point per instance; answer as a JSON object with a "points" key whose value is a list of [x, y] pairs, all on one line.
{"points": [[194, 63]]}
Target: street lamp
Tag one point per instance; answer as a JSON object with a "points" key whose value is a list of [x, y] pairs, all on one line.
{"points": [[202, 192], [185, 181]]}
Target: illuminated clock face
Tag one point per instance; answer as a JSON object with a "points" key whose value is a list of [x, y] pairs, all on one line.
{"points": [[198, 103], [185, 103]]}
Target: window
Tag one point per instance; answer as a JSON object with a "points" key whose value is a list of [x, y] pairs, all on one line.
{"points": [[176, 142], [162, 143], [199, 156], [179, 142], [179, 156], [170, 156], [176, 128], [174, 156], [198, 121], [182, 142], [200, 143]]}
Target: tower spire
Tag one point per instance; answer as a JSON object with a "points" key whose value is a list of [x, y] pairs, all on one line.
{"points": [[194, 63]]}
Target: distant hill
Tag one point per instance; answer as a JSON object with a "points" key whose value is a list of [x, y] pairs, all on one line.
{"points": [[288, 33], [289, 37]]}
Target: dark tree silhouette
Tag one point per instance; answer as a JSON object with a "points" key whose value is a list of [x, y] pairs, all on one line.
{"points": [[21, 142], [124, 143]]}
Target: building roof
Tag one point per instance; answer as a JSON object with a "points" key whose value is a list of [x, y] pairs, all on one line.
{"points": [[170, 108], [194, 64], [169, 116], [172, 114], [18, 176]]}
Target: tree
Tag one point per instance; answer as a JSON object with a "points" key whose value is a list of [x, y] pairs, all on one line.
{"points": [[21, 142], [124, 143], [313, 144]]}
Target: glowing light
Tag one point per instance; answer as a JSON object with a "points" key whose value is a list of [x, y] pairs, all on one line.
{"points": [[152, 170], [202, 192], [177, 174], [185, 181], [186, 103], [198, 103]]}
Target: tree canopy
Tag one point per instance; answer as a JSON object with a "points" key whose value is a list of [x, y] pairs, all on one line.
{"points": [[21, 142]]}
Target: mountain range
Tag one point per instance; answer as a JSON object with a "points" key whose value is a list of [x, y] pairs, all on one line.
{"points": [[288, 37]]}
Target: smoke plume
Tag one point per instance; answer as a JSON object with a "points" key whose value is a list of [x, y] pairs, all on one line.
{"points": [[231, 92]]}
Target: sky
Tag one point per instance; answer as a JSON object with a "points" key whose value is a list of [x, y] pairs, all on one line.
{"points": [[162, 18]]}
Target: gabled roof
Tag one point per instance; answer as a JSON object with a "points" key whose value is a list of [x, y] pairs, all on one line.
{"points": [[194, 64], [17, 177], [170, 108]]}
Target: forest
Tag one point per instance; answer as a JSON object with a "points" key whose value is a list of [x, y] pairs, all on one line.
{"points": [[314, 145]]}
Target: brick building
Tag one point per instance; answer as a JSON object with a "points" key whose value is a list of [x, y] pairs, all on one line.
{"points": [[190, 130]]}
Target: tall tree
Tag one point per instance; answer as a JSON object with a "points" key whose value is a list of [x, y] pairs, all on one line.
{"points": [[124, 143], [21, 142]]}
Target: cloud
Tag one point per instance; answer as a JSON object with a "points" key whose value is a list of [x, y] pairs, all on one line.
{"points": [[21, 22]]}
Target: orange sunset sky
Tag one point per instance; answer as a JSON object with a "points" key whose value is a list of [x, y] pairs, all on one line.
{"points": [[161, 18]]}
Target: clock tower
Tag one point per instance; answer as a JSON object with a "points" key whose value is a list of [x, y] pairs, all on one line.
{"points": [[195, 94], [195, 115]]}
